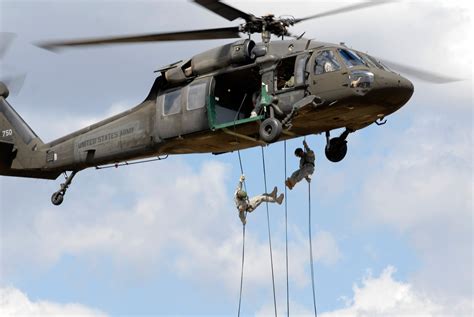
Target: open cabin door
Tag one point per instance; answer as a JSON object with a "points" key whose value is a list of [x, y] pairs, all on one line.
{"points": [[233, 97]]}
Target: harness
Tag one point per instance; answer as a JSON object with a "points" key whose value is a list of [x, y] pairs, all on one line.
{"points": [[306, 161]]}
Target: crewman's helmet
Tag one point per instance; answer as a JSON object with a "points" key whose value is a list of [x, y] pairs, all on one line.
{"points": [[299, 151], [241, 194]]}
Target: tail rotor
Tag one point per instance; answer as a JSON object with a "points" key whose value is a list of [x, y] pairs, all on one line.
{"points": [[11, 81]]}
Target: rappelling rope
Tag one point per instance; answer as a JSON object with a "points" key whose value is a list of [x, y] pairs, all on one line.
{"points": [[286, 237], [311, 249], [269, 233], [243, 242], [242, 271], [245, 215]]}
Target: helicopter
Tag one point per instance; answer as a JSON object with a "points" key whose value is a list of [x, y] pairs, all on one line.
{"points": [[233, 97]]}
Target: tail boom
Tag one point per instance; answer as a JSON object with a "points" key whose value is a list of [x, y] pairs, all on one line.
{"points": [[22, 153]]}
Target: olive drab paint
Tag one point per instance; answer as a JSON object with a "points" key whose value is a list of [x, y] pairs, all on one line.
{"points": [[206, 113], [232, 97]]}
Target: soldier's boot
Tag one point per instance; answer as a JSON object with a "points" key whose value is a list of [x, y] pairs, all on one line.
{"points": [[289, 184], [279, 200], [273, 193]]}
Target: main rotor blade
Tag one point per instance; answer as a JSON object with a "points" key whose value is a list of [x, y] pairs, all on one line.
{"points": [[420, 74], [353, 7], [224, 10], [208, 34], [6, 39]]}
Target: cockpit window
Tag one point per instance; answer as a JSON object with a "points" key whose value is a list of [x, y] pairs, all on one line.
{"points": [[350, 58], [374, 62], [326, 62]]}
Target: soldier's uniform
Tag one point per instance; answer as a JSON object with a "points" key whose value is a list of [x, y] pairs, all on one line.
{"points": [[306, 168], [244, 204]]}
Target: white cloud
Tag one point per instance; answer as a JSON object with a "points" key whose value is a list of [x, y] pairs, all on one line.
{"points": [[385, 296], [423, 188], [179, 217], [167, 205], [222, 259], [14, 303], [431, 166]]}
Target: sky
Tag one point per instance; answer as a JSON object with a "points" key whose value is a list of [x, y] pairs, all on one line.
{"points": [[392, 224]]}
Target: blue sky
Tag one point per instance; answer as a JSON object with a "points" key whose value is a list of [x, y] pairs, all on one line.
{"points": [[392, 223]]}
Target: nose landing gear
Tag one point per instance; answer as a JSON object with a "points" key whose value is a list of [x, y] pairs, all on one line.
{"points": [[336, 148], [58, 197]]}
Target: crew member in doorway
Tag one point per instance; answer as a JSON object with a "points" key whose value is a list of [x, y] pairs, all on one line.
{"points": [[306, 169], [256, 104], [244, 204]]}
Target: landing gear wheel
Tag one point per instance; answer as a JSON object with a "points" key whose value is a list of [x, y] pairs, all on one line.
{"points": [[270, 130], [57, 198], [336, 149]]}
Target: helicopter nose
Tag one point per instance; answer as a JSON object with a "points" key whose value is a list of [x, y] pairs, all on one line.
{"points": [[404, 83], [406, 89], [393, 90]]}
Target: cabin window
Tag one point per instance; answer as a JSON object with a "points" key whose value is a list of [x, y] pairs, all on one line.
{"points": [[196, 96], [326, 62], [286, 73], [172, 102], [351, 58]]}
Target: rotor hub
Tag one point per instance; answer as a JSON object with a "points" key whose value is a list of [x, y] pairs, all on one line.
{"points": [[267, 24]]}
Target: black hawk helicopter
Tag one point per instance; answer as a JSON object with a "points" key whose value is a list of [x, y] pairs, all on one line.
{"points": [[236, 96]]}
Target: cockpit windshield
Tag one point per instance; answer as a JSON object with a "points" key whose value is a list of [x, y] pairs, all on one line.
{"points": [[326, 62], [351, 58], [372, 61]]}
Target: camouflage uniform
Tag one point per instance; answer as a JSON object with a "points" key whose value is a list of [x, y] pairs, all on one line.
{"points": [[306, 166], [248, 205]]}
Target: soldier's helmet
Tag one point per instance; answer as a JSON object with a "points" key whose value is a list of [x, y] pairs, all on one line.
{"points": [[299, 151], [241, 194]]}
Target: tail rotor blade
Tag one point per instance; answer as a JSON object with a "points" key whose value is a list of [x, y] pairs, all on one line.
{"points": [[14, 83], [6, 39]]}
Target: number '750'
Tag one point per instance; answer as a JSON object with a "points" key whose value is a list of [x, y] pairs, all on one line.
{"points": [[6, 133]]}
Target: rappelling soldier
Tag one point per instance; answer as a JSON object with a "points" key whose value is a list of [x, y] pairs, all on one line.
{"points": [[306, 169], [244, 204]]}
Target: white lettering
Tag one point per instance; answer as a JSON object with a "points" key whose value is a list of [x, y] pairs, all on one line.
{"points": [[7, 133]]}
